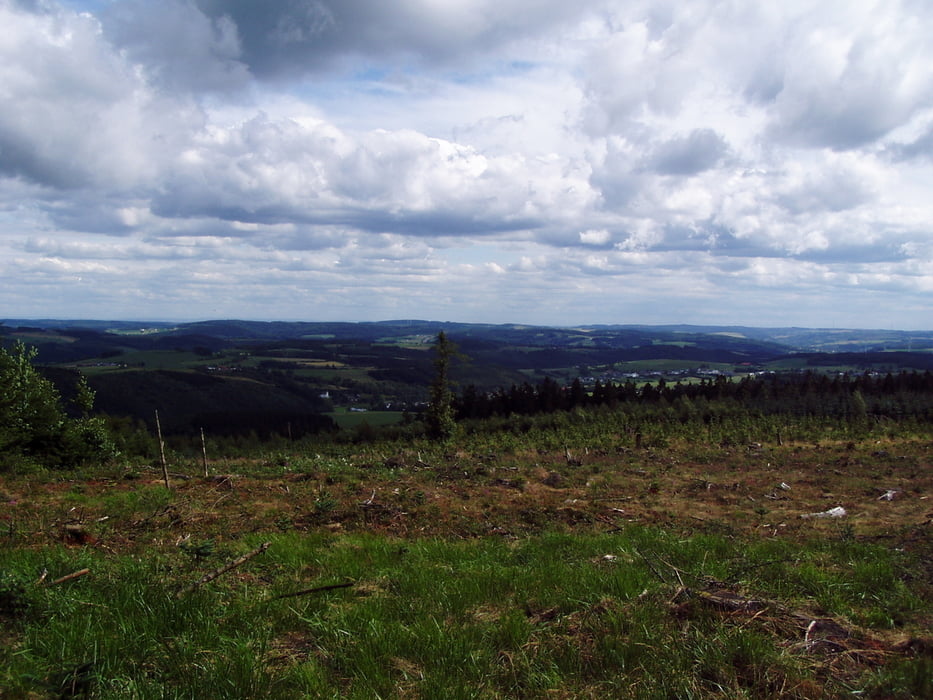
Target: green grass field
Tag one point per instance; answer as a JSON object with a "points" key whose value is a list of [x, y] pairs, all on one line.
{"points": [[626, 614], [348, 420]]}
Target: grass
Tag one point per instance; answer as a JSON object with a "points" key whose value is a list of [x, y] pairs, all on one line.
{"points": [[494, 567], [585, 615], [669, 365], [346, 419], [150, 359]]}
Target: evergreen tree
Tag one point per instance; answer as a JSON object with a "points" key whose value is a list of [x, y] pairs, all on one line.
{"points": [[440, 417], [578, 397]]}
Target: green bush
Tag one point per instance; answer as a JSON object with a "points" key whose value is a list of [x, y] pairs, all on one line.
{"points": [[86, 440], [31, 417], [34, 429]]}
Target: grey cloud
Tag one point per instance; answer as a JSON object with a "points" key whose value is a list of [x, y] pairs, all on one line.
{"points": [[883, 251], [920, 148], [103, 216], [28, 159], [702, 237], [838, 121], [441, 223], [709, 237], [700, 150], [626, 79], [306, 238], [275, 39], [80, 250], [724, 245], [372, 220], [875, 91], [618, 189], [832, 190], [765, 82], [181, 47], [619, 178], [33, 6]]}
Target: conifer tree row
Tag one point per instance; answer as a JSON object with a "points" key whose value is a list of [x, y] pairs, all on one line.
{"points": [[862, 396]]}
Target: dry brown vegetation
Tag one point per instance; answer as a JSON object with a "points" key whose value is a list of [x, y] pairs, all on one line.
{"points": [[757, 490]]}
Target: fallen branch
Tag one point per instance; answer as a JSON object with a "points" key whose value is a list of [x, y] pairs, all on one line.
{"points": [[207, 578], [749, 567], [650, 566], [727, 600], [69, 577], [316, 589]]}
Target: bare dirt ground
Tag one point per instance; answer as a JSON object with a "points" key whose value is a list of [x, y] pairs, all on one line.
{"points": [[884, 491]]}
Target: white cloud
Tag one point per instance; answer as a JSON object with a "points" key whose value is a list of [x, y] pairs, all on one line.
{"points": [[466, 159], [598, 237], [74, 114]]}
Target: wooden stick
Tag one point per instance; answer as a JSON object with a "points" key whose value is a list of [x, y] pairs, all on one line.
{"points": [[204, 452], [316, 589], [69, 577], [650, 565], [207, 578], [162, 450]]}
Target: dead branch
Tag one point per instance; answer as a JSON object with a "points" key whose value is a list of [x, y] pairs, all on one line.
{"points": [[69, 577], [207, 578], [650, 566], [316, 589], [727, 600], [162, 451]]}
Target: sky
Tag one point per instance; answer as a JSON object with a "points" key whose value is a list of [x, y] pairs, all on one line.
{"points": [[729, 162]]}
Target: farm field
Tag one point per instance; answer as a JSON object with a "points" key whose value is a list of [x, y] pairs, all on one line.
{"points": [[551, 563], [347, 419]]}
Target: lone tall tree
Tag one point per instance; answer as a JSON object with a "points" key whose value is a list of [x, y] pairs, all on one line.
{"points": [[440, 416]]}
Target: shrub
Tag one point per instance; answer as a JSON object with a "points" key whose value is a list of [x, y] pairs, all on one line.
{"points": [[33, 426], [31, 417]]}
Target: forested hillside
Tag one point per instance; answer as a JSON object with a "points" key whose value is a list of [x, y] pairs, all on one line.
{"points": [[280, 379]]}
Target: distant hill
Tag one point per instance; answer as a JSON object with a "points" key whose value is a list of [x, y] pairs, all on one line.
{"points": [[274, 374], [89, 337], [816, 339], [621, 335]]}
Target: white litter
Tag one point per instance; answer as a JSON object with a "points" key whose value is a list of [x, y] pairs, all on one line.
{"points": [[888, 495], [837, 512]]}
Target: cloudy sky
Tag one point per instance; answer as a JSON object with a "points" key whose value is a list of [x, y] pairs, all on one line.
{"points": [[527, 161]]}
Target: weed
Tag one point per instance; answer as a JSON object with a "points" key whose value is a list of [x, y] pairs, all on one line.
{"points": [[16, 601], [325, 503], [903, 680]]}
